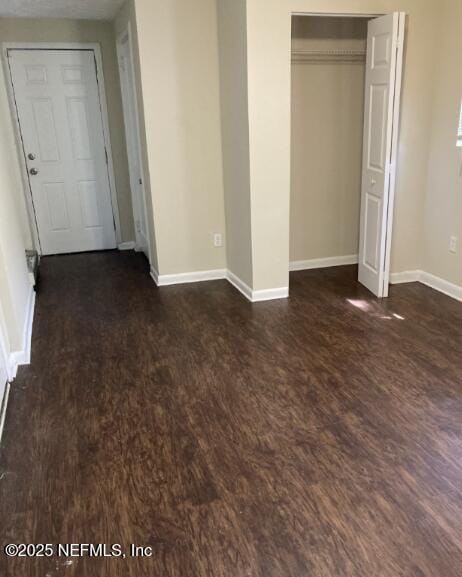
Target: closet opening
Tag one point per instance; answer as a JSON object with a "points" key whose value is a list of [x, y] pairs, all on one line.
{"points": [[346, 78]]}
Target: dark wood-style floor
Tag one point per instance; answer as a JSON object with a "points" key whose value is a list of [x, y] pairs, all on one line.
{"points": [[315, 437]]}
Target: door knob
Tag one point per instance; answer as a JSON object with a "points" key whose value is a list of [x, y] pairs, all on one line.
{"points": [[33, 171], [31, 156]]}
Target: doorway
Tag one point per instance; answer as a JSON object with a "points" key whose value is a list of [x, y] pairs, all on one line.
{"points": [[346, 79], [59, 107], [133, 138]]}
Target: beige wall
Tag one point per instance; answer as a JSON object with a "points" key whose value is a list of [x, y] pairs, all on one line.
{"points": [[178, 51], [443, 208], [235, 136], [29, 30], [179, 78], [269, 55], [14, 281], [127, 19], [326, 139], [268, 40]]}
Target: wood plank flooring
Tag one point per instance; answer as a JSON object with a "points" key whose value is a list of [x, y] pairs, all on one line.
{"points": [[315, 437]]}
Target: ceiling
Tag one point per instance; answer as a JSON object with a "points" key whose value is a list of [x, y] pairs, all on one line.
{"points": [[90, 9]]}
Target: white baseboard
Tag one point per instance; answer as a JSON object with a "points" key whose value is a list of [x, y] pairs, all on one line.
{"points": [[154, 275], [240, 285], [190, 277], [220, 274], [428, 279], [3, 405], [443, 286], [270, 294], [131, 245], [405, 277], [323, 262], [256, 296], [22, 357]]}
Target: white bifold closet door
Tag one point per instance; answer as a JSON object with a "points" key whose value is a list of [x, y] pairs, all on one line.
{"points": [[59, 111], [382, 98]]}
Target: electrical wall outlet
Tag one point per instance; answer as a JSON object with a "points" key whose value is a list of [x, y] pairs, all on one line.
{"points": [[453, 244], [218, 240]]}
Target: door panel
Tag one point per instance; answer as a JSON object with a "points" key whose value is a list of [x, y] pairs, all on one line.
{"points": [[45, 128], [58, 215], [57, 99], [383, 70]]}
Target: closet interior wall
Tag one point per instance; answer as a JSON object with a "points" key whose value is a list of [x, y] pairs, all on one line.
{"points": [[328, 69]]}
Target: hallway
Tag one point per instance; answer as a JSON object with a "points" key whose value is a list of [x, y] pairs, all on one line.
{"points": [[316, 436]]}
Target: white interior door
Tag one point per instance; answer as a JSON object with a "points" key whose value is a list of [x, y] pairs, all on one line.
{"points": [[59, 111], [383, 86], [132, 132]]}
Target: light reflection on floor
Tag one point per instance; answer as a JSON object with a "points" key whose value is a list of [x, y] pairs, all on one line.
{"points": [[367, 307]]}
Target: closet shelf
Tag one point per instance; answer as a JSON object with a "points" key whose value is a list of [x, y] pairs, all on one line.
{"points": [[310, 56]]}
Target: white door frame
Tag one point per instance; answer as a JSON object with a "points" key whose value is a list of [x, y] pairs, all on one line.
{"points": [[127, 36], [74, 46], [4, 387], [3, 351], [395, 135]]}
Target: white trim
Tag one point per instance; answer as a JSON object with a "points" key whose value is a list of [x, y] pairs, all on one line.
{"points": [[270, 294], [437, 283], [131, 245], [190, 277], [432, 281], [3, 406], [96, 48], [323, 262], [127, 33], [240, 285], [154, 275], [220, 274], [441, 285], [12, 367], [259, 295], [4, 378], [23, 356], [405, 276], [3, 348], [107, 137]]}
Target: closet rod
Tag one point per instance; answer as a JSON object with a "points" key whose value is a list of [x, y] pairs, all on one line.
{"points": [[328, 56]]}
